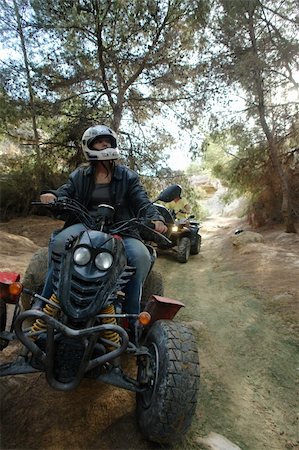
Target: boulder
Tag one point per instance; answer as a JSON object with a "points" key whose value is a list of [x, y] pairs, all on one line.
{"points": [[15, 244]]}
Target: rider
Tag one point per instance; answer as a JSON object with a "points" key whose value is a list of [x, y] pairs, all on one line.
{"points": [[179, 205], [104, 181]]}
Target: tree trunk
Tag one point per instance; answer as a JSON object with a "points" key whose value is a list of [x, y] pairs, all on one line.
{"points": [[286, 206], [29, 85]]}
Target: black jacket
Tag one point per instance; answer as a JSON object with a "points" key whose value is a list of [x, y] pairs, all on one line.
{"points": [[126, 193]]}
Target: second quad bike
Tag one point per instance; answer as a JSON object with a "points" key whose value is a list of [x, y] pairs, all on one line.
{"points": [[183, 234], [82, 331]]}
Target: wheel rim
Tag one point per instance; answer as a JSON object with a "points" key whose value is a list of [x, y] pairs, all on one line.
{"points": [[147, 396]]}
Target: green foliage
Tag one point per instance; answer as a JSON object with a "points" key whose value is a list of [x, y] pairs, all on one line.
{"points": [[231, 157], [21, 183], [248, 171], [11, 112], [194, 168], [194, 196], [125, 63], [96, 62]]}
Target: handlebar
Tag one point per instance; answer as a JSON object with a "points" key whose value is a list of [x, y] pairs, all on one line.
{"points": [[142, 223], [150, 226], [71, 205]]}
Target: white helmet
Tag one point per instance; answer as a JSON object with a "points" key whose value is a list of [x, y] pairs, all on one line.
{"points": [[88, 139]]}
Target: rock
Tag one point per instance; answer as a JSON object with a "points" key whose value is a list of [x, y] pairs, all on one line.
{"points": [[252, 247], [246, 237], [214, 441], [287, 238], [283, 297]]}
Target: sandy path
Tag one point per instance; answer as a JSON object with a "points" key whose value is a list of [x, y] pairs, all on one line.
{"points": [[248, 359]]}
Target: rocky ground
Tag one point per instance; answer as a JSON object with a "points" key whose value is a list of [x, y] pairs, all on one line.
{"points": [[241, 297]]}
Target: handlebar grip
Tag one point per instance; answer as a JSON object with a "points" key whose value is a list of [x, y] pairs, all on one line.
{"points": [[39, 203], [61, 201], [42, 203]]}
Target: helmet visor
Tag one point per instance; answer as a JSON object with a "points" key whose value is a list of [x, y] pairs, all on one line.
{"points": [[92, 141]]}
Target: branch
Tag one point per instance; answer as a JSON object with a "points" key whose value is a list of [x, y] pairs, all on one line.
{"points": [[288, 77], [231, 154], [75, 96], [147, 55], [282, 16], [100, 46]]}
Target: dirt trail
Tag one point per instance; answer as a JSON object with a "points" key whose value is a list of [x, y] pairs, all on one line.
{"points": [[248, 359], [248, 355]]}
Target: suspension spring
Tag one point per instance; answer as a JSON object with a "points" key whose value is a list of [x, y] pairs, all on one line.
{"points": [[39, 324], [109, 334]]}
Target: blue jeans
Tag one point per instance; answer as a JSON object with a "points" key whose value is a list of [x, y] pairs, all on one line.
{"points": [[137, 256]]}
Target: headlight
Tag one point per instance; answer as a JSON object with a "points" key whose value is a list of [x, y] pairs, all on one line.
{"points": [[103, 260], [82, 256], [175, 228]]}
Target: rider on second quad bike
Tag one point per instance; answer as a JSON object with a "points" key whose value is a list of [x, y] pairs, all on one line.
{"points": [[183, 232]]}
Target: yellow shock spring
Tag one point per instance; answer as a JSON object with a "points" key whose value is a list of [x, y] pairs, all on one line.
{"points": [[39, 324], [110, 335]]}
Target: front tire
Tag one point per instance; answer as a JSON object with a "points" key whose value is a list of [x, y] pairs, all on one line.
{"points": [[184, 246], [195, 245], [165, 409]]}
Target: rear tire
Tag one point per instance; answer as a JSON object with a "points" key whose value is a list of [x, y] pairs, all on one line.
{"points": [[153, 285], [166, 408], [183, 250], [35, 275]]}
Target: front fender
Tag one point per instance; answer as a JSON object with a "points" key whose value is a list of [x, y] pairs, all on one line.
{"points": [[162, 308]]}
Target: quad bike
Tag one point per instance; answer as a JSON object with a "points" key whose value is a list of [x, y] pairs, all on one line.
{"points": [[183, 234], [82, 331]]}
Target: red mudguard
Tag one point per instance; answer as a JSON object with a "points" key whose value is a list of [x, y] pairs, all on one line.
{"points": [[9, 277], [162, 307]]}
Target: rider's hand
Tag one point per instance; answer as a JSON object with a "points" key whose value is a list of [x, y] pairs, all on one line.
{"points": [[48, 198], [160, 226]]}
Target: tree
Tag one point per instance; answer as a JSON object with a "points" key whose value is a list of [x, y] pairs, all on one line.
{"points": [[126, 59], [16, 26], [258, 53], [121, 63]]}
